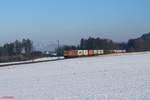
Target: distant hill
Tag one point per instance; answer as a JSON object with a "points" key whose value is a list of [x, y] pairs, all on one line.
{"points": [[146, 36], [139, 44]]}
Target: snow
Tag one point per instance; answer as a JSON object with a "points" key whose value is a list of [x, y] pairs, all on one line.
{"points": [[123, 77]]}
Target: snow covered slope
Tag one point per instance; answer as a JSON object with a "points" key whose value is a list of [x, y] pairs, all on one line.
{"points": [[124, 77]]}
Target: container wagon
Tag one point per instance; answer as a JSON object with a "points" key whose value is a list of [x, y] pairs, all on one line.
{"points": [[82, 53]]}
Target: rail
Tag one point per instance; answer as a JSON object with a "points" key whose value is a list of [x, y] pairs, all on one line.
{"points": [[29, 62]]}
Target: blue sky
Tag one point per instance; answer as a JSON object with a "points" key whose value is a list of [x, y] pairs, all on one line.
{"points": [[46, 21]]}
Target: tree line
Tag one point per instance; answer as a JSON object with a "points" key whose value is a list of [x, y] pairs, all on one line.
{"points": [[98, 43], [18, 51], [16, 48]]}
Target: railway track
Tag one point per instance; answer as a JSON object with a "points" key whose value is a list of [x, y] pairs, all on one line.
{"points": [[29, 62]]}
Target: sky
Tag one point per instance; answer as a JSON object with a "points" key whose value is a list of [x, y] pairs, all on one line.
{"points": [[46, 21]]}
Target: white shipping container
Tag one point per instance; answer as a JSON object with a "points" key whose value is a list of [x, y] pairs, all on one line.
{"points": [[95, 52], [80, 53], [124, 51], [85, 52], [100, 52]]}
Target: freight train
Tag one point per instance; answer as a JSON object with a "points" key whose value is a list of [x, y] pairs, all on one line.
{"points": [[82, 53]]}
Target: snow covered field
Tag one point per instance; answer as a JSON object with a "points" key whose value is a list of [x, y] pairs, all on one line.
{"points": [[124, 77]]}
